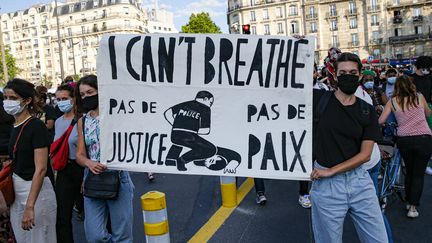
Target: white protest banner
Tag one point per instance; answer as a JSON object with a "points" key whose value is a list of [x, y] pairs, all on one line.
{"points": [[230, 105]]}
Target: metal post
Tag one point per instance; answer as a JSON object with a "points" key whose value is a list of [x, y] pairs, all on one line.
{"points": [[59, 42], [5, 70], [156, 228]]}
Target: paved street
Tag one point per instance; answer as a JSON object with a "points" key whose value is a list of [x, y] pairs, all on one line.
{"points": [[192, 200]]}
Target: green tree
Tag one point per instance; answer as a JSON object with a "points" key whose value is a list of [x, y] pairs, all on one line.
{"points": [[201, 23], [13, 70]]}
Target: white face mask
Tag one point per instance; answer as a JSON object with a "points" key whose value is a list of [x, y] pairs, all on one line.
{"points": [[425, 71], [12, 107]]}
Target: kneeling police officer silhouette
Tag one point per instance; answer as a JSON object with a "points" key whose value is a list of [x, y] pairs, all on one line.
{"points": [[190, 120]]}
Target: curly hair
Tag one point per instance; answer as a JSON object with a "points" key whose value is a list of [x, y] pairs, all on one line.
{"points": [[405, 88]]}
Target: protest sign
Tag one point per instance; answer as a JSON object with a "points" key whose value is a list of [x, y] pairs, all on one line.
{"points": [[228, 105]]}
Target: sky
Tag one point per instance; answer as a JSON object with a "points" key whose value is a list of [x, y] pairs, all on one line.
{"points": [[181, 9]]}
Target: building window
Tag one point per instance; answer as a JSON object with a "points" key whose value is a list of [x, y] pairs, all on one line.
{"points": [[95, 3], [333, 10], [293, 10], [418, 30], [375, 35], [398, 32], [83, 29], [313, 27], [416, 12], [353, 23], [279, 12], [294, 27], [352, 7], [69, 32], [376, 53], [335, 41], [374, 4], [374, 21], [266, 29], [354, 39], [333, 25], [252, 16], [312, 11], [253, 30], [280, 28], [265, 14]]}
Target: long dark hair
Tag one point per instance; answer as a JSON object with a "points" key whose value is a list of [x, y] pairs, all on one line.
{"points": [[90, 80], [404, 88], [25, 90], [5, 118]]}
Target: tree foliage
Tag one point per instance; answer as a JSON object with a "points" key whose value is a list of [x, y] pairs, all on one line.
{"points": [[201, 23], [12, 68]]}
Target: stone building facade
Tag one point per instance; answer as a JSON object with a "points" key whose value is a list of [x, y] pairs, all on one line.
{"points": [[393, 29]]}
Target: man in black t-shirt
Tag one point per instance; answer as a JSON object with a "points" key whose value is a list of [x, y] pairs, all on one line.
{"points": [[344, 136], [189, 120]]}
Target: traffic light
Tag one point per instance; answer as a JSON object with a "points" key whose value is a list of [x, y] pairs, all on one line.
{"points": [[246, 29]]}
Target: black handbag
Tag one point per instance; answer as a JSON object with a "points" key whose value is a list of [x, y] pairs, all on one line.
{"points": [[102, 186]]}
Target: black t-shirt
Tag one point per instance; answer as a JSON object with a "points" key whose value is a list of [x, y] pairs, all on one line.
{"points": [[424, 86], [341, 130], [191, 116], [34, 135], [50, 113], [5, 132]]}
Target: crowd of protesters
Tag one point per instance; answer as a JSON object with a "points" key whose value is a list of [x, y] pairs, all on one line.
{"points": [[349, 104]]}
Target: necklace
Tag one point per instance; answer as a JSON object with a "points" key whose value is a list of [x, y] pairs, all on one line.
{"points": [[19, 124]]}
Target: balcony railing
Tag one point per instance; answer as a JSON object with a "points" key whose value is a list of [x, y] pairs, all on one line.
{"points": [[374, 8], [311, 16], [418, 19], [351, 12], [376, 41], [333, 28], [332, 14], [337, 44], [397, 19], [353, 43], [409, 38], [375, 24]]}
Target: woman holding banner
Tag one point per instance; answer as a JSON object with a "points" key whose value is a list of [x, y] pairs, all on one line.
{"points": [[115, 200], [345, 129]]}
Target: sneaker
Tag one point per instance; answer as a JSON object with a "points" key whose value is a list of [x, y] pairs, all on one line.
{"points": [[413, 213], [428, 170], [304, 201], [408, 206], [261, 199], [150, 176]]}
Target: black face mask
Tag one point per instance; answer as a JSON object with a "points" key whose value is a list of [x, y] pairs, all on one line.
{"points": [[348, 83], [90, 102]]}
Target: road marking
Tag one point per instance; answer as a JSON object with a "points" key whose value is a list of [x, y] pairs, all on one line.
{"points": [[221, 215]]}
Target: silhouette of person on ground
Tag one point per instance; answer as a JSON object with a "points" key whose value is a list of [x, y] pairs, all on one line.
{"points": [[189, 120]]}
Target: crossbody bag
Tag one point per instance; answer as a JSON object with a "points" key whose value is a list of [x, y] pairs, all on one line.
{"points": [[105, 185]]}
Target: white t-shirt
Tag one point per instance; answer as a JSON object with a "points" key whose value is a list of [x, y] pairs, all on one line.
{"points": [[376, 155]]}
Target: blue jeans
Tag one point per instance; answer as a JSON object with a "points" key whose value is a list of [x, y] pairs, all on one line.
{"points": [[374, 173], [352, 193], [120, 211]]}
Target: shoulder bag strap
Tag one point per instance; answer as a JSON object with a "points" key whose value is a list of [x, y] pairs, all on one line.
{"points": [[83, 133], [19, 136]]}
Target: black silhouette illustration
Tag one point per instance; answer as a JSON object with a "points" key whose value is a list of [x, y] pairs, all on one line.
{"points": [[189, 121]]}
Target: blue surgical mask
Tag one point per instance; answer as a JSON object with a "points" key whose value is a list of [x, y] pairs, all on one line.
{"points": [[65, 105], [391, 80], [369, 85]]}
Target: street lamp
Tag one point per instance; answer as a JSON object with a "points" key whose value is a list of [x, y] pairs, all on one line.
{"points": [[2, 49], [59, 42]]}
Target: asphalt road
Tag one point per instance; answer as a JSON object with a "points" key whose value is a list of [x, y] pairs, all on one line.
{"points": [[191, 201]]}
